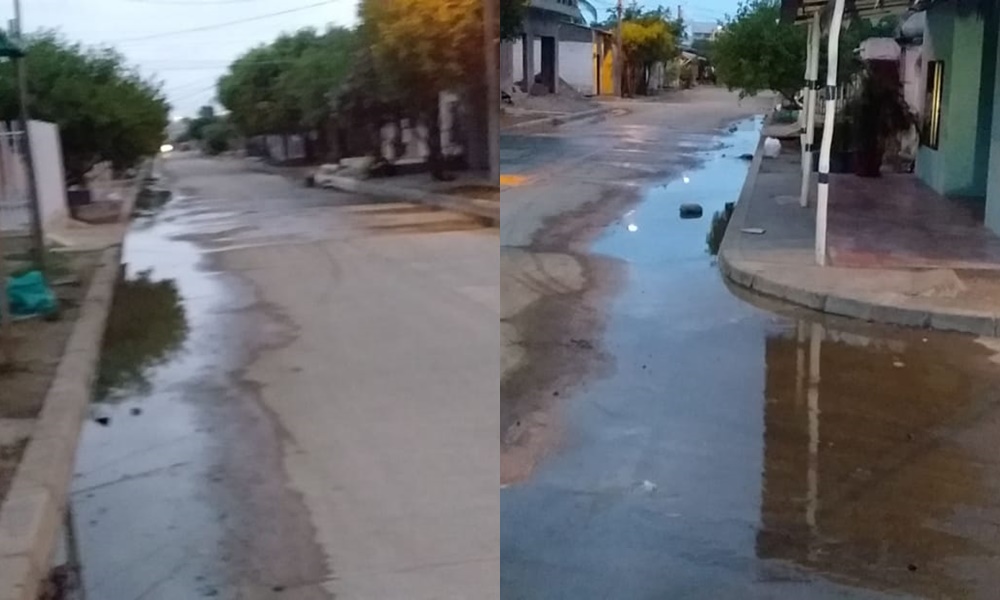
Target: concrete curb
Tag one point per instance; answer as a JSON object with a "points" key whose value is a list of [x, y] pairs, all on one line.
{"points": [[32, 513], [487, 210], [559, 120], [758, 281]]}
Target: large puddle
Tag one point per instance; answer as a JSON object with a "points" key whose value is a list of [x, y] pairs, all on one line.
{"points": [[738, 452], [150, 500]]}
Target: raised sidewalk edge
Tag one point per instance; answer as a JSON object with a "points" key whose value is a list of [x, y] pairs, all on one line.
{"points": [[32, 513], [561, 119], [487, 210], [759, 282]]}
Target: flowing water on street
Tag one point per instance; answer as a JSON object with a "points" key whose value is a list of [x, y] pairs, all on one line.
{"points": [[741, 452], [179, 461]]}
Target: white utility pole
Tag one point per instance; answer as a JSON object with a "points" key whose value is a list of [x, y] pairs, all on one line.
{"points": [[492, 43], [619, 59], [37, 236], [809, 111], [830, 119]]}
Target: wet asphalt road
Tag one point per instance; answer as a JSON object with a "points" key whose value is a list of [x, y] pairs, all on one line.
{"points": [[326, 352], [721, 447]]}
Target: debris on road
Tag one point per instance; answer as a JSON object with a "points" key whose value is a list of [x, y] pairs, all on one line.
{"points": [[691, 211]]}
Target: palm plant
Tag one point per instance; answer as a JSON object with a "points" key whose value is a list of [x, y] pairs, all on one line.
{"points": [[586, 5]]}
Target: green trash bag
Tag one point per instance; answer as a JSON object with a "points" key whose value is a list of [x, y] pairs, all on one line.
{"points": [[29, 295]]}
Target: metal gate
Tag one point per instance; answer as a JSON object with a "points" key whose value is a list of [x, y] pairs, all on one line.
{"points": [[15, 207]]}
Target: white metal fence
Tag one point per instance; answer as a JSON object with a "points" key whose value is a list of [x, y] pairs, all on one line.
{"points": [[846, 92]]}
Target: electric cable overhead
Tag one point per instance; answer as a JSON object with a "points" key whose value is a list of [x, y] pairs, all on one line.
{"points": [[193, 3], [214, 26]]}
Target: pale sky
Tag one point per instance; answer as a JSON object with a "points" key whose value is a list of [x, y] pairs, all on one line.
{"points": [[187, 63], [190, 63]]}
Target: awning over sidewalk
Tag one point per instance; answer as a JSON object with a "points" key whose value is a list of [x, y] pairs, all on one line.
{"points": [[802, 11]]}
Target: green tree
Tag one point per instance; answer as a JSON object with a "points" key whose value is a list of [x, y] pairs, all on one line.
{"points": [[511, 18], [287, 86], [648, 37], [217, 137], [423, 48], [105, 110], [196, 126], [755, 51]]}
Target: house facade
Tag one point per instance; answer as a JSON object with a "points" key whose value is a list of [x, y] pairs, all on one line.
{"points": [[960, 143], [557, 46], [950, 74]]}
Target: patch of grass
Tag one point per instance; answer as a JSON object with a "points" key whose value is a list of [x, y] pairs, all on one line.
{"points": [[57, 264]]}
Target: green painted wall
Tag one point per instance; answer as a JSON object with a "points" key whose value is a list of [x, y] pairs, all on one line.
{"points": [[959, 166], [993, 188]]}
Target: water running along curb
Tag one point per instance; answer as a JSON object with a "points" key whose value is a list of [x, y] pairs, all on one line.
{"points": [[32, 514], [763, 281]]}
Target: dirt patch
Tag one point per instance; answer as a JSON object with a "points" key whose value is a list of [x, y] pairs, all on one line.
{"points": [[555, 363], [476, 192], [39, 344]]}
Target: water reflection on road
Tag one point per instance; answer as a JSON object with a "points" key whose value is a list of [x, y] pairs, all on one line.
{"points": [[747, 452]]}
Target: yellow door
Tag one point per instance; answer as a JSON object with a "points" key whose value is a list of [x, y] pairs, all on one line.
{"points": [[603, 68]]}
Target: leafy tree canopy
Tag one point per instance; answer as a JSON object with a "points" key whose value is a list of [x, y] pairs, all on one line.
{"points": [[286, 86], [422, 48], [649, 36], [511, 18], [105, 110], [756, 52]]}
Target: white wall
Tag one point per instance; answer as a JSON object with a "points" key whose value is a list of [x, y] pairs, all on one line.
{"points": [[50, 180], [576, 64], [46, 151]]}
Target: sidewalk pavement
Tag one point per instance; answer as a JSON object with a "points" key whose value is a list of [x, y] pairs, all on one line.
{"points": [[467, 194], [898, 253], [33, 512]]}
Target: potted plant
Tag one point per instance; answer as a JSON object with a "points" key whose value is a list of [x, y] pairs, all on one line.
{"points": [[842, 149], [880, 114]]}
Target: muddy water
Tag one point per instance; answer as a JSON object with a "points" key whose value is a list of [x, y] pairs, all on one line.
{"points": [[739, 450], [179, 491]]}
